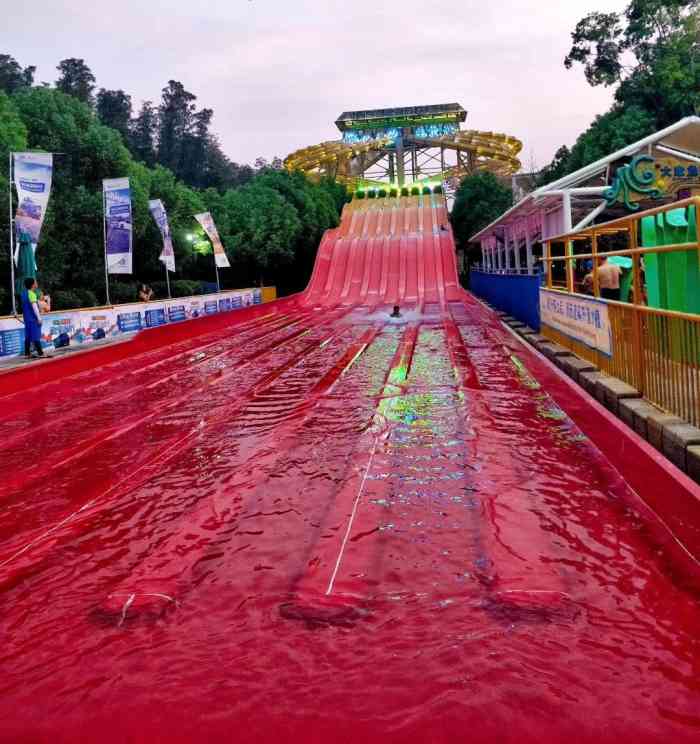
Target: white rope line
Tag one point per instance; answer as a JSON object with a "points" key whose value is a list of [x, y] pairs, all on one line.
{"points": [[352, 518]]}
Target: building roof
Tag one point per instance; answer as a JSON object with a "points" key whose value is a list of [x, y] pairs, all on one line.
{"points": [[683, 138], [379, 117]]}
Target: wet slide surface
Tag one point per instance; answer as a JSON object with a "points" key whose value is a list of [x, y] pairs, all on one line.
{"points": [[325, 525]]}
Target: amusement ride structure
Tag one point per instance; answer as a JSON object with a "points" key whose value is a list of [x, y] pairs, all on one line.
{"points": [[410, 146]]}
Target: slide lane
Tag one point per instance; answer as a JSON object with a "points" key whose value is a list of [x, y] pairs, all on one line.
{"points": [[132, 449], [166, 574], [63, 423]]}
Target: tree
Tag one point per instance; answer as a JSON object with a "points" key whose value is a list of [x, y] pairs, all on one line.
{"points": [[12, 76], [660, 39], [480, 199], [144, 131], [608, 133], [651, 53], [13, 138], [114, 110], [76, 79], [259, 228], [174, 121]]}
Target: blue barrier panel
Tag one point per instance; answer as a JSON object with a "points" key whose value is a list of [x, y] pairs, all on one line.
{"points": [[515, 294]]}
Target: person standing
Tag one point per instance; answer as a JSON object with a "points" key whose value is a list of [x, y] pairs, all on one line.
{"points": [[32, 319], [609, 280]]}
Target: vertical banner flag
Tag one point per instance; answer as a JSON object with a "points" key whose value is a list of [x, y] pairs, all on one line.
{"points": [[207, 222], [117, 201], [33, 172], [167, 255]]}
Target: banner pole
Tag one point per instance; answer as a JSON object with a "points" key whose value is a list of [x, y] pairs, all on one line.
{"points": [[167, 279], [12, 247], [218, 285], [104, 238]]}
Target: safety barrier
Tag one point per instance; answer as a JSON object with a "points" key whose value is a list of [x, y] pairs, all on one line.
{"points": [[515, 294], [84, 325], [655, 350]]}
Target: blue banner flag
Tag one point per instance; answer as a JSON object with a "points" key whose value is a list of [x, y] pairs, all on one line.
{"points": [[118, 225]]}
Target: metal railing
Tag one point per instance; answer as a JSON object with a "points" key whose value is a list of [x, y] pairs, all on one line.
{"points": [[655, 350]]}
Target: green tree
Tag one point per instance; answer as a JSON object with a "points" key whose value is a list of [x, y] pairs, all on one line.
{"points": [[114, 110], [174, 122], [76, 79], [480, 199], [651, 52], [13, 76], [608, 133], [259, 229], [13, 138], [144, 131]]}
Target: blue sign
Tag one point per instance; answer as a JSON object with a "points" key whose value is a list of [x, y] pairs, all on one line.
{"points": [[128, 322], [155, 317], [176, 313], [236, 301], [257, 296], [224, 304], [210, 307], [12, 342]]}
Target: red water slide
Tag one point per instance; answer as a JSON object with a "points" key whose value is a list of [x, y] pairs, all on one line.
{"points": [[388, 251], [309, 521]]}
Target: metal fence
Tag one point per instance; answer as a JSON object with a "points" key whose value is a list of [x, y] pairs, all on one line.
{"points": [[515, 294], [655, 350]]}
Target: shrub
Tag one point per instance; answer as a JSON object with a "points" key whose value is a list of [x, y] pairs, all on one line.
{"points": [[405, 191], [426, 191], [360, 194], [393, 192], [121, 292], [185, 288], [415, 191], [65, 299], [371, 194], [437, 189]]}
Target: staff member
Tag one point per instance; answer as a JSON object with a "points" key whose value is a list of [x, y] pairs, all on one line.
{"points": [[32, 319]]}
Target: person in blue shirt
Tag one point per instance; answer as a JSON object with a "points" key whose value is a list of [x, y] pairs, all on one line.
{"points": [[32, 319]]}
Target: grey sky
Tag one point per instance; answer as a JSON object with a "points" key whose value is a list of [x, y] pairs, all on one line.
{"points": [[277, 73]]}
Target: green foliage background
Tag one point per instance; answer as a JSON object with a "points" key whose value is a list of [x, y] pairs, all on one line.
{"points": [[270, 222]]}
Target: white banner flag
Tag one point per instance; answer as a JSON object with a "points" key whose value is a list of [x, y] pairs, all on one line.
{"points": [[207, 222], [32, 174], [167, 255], [118, 225]]}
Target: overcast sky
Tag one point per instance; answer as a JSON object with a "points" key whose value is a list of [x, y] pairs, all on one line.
{"points": [[278, 72]]}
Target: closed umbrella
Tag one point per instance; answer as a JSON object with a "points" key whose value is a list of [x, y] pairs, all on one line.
{"points": [[26, 265]]}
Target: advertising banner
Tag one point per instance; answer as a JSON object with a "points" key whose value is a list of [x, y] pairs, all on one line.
{"points": [[81, 325], [155, 316], [580, 318], [207, 222], [118, 225], [167, 255], [32, 174]]}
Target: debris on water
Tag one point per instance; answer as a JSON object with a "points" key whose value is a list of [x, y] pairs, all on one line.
{"points": [[323, 612]]}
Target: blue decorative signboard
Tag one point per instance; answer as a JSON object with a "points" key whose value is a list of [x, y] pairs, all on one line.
{"points": [[210, 307], [155, 317], [236, 302], [224, 304], [257, 296], [12, 342], [129, 322], [176, 313]]}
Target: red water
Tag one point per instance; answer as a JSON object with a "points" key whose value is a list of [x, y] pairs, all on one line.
{"points": [[325, 525]]}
